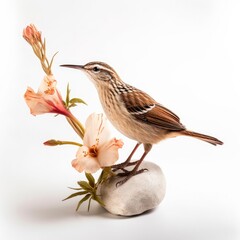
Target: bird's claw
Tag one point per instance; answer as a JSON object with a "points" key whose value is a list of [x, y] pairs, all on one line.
{"points": [[128, 174], [123, 165]]}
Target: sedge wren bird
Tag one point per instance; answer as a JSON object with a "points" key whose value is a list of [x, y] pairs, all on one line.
{"points": [[135, 114]]}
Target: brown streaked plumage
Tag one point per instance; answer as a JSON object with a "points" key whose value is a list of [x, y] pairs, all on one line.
{"points": [[135, 114]]}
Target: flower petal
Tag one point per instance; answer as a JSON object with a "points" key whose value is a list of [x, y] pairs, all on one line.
{"points": [[108, 153], [85, 162], [96, 130], [48, 85], [47, 99], [31, 34], [36, 103]]}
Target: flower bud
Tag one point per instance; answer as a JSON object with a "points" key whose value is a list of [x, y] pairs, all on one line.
{"points": [[51, 142], [31, 34]]}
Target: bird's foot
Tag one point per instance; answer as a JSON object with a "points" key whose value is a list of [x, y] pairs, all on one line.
{"points": [[123, 165], [128, 174]]}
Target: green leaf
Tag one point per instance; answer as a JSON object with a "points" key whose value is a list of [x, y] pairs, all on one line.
{"points": [[98, 199], [75, 195], [83, 200], [50, 65], [89, 203], [77, 100], [72, 105], [85, 185], [105, 174], [90, 179], [75, 188]]}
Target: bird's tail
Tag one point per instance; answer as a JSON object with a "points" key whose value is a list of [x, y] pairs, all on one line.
{"points": [[202, 137]]}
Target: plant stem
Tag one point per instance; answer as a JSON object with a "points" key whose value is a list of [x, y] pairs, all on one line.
{"points": [[70, 143], [76, 125]]}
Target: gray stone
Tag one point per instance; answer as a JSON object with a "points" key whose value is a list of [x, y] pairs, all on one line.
{"points": [[139, 194]]}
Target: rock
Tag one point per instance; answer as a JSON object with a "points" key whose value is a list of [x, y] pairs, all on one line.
{"points": [[138, 195]]}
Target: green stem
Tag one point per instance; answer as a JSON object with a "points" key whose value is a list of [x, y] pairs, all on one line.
{"points": [[76, 125], [54, 142], [69, 142]]}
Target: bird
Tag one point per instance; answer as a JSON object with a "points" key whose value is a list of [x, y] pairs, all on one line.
{"points": [[135, 114]]}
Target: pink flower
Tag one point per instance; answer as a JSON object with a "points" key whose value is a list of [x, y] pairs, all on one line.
{"points": [[31, 34], [47, 99], [98, 150]]}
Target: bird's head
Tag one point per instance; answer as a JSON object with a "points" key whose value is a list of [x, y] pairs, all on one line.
{"points": [[100, 73]]}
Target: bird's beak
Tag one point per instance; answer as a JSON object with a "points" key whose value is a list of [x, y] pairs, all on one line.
{"points": [[80, 67]]}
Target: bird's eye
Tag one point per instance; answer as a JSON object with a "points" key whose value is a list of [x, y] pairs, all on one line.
{"points": [[96, 69]]}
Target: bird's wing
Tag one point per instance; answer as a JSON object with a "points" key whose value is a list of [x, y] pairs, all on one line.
{"points": [[146, 109]]}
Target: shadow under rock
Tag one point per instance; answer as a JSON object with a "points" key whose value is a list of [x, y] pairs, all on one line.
{"points": [[46, 210], [58, 211]]}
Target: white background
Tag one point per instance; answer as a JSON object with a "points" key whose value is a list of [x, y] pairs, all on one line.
{"points": [[186, 54]]}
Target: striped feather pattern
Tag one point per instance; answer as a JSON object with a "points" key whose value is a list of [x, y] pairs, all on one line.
{"points": [[144, 108]]}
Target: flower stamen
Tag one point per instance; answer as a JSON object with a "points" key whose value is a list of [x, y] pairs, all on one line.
{"points": [[85, 153], [50, 91], [98, 149], [93, 151]]}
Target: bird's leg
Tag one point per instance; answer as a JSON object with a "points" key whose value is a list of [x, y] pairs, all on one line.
{"points": [[127, 162], [135, 171]]}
